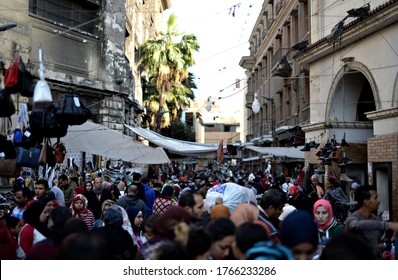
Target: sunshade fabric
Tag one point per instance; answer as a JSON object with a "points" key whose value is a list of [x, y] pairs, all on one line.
{"points": [[173, 145], [101, 140], [290, 152]]}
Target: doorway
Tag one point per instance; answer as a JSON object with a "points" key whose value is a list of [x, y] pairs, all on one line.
{"points": [[382, 180]]}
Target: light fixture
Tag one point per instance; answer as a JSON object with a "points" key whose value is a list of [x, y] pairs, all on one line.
{"points": [[208, 105], [256, 105], [42, 95]]}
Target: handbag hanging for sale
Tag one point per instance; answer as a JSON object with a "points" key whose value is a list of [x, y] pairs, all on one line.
{"points": [[28, 157], [19, 79], [7, 106], [43, 123], [59, 151], [11, 78], [9, 168], [71, 111], [47, 154]]}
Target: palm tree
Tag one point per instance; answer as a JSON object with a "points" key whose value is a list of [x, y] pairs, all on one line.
{"points": [[167, 63]]}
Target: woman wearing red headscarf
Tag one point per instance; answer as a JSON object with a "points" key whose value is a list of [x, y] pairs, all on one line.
{"points": [[80, 211], [328, 227]]}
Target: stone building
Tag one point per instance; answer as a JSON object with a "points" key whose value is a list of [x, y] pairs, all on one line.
{"points": [[277, 82], [90, 47], [353, 65]]}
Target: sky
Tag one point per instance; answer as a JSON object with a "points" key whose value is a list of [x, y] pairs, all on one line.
{"points": [[223, 28]]}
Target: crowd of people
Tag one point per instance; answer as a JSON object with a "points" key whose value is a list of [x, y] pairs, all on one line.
{"points": [[202, 217]]}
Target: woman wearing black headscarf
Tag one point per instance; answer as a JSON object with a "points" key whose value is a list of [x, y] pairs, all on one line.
{"points": [[33, 230], [48, 249]]}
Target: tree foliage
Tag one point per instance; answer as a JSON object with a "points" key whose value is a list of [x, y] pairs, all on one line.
{"points": [[166, 60]]}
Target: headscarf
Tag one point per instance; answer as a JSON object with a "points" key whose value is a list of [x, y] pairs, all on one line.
{"points": [[132, 212], [167, 190], [106, 202], [243, 213], [299, 227], [79, 190], [166, 222], [117, 216], [82, 213], [325, 203], [218, 211], [32, 214]]}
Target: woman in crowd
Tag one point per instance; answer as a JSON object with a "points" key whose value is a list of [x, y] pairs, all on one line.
{"points": [[243, 213], [164, 200], [105, 205], [299, 233], [88, 186], [222, 232], [33, 230], [326, 222], [163, 232], [136, 219], [80, 211]]}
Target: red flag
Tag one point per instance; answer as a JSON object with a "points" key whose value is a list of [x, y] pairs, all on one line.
{"points": [[220, 154]]}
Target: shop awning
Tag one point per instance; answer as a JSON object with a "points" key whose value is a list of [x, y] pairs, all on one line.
{"points": [[101, 140], [289, 152], [175, 146]]}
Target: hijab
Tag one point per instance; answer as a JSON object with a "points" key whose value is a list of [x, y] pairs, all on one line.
{"points": [[82, 213], [132, 212], [166, 222], [243, 213], [299, 227], [218, 211], [32, 214], [325, 203]]}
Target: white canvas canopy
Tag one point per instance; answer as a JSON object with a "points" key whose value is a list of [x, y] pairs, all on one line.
{"points": [[174, 145], [289, 152], [101, 140]]}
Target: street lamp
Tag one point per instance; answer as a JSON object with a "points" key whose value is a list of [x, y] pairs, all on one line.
{"points": [[256, 105]]}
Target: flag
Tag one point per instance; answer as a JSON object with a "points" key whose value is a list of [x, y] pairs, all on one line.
{"points": [[220, 151]]}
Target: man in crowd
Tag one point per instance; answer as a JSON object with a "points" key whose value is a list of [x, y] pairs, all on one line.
{"points": [[67, 186], [131, 199], [96, 196], [193, 203], [271, 207], [364, 222], [41, 189], [22, 196]]}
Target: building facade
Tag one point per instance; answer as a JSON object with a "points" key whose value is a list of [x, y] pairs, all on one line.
{"points": [[339, 87], [353, 66], [277, 82], [87, 48]]}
